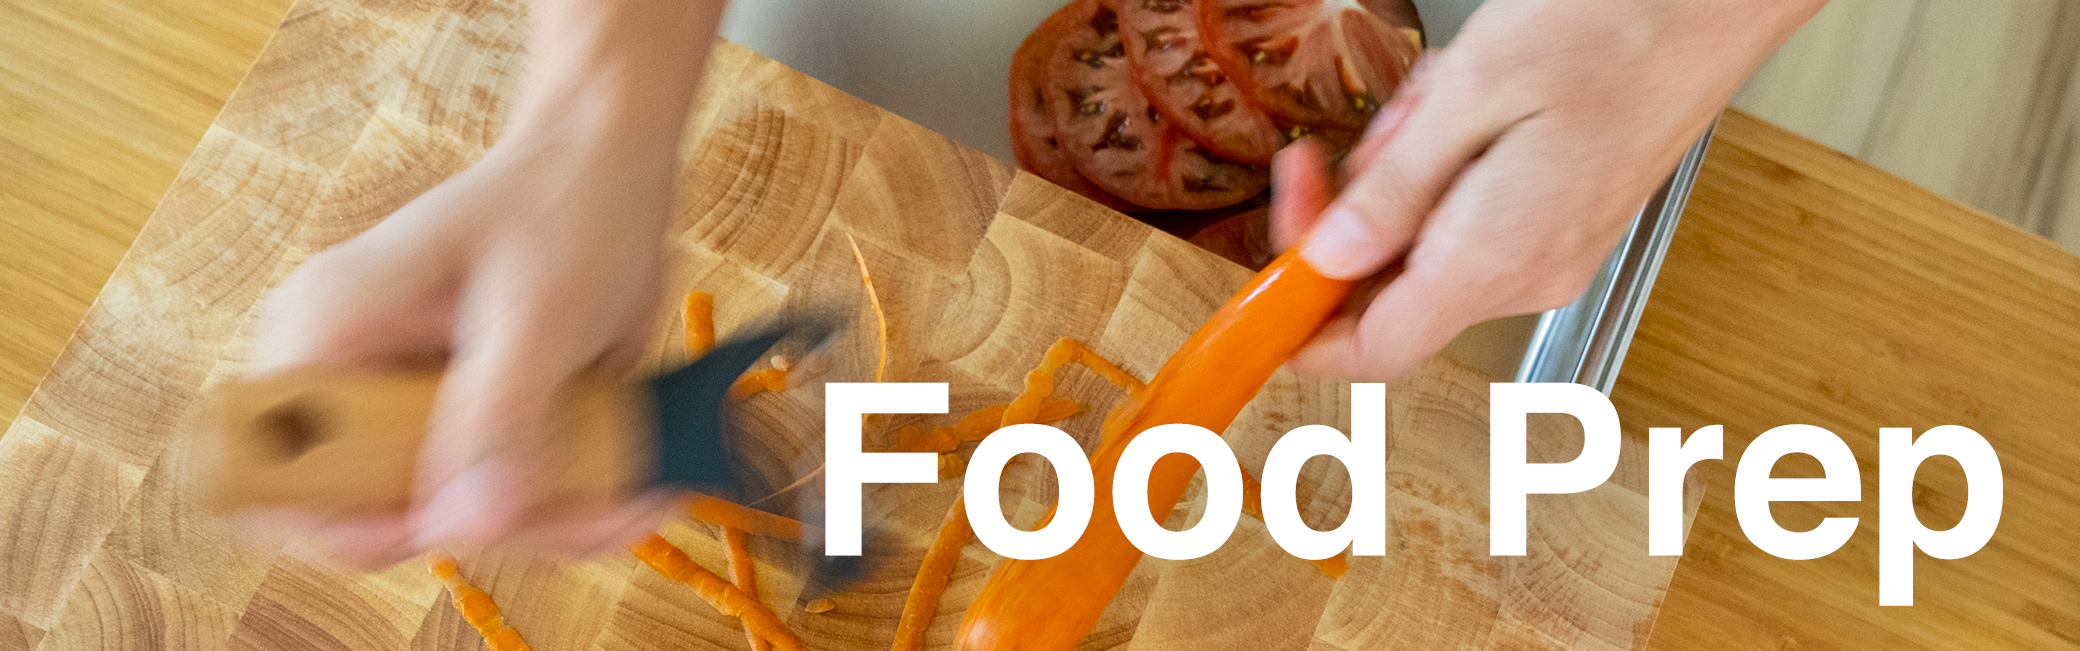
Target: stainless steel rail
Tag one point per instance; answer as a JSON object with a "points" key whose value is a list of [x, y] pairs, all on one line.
{"points": [[1585, 341]]}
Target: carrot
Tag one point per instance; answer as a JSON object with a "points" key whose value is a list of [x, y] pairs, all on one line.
{"points": [[700, 323], [925, 591], [476, 606], [669, 561], [1052, 603], [729, 515], [922, 604], [745, 575]]}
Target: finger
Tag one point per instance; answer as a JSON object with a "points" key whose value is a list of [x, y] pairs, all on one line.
{"points": [[1376, 217], [363, 543], [346, 308], [1517, 233], [367, 543], [1405, 324], [1300, 188], [595, 531], [492, 419]]}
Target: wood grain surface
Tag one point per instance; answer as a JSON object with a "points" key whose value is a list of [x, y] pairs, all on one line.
{"points": [[357, 107], [1806, 286], [100, 103]]}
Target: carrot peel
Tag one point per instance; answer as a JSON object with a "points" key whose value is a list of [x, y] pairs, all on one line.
{"points": [[476, 606]]}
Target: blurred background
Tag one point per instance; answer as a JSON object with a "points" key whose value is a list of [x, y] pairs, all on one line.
{"points": [[101, 101]]}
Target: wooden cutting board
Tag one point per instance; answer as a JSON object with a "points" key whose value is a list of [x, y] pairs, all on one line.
{"points": [[357, 107]]}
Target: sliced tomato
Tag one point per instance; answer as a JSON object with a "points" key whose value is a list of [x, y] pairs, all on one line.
{"points": [[1118, 140], [1032, 133], [1320, 64], [1173, 69]]}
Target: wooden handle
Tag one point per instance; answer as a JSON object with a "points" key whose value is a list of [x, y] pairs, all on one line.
{"points": [[348, 444]]}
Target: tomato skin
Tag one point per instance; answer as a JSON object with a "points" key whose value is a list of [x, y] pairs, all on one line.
{"points": [[1322, 64], [1117, 139], [1033, 139], [1173, 69]]}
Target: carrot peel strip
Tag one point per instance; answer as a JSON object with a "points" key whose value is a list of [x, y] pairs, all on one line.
{"points": [[1253, 503], [672, 563], [700, 323], [476, 606], [1217, 371], [771, 379], [745, 575], [729, 515], [930, 585]]}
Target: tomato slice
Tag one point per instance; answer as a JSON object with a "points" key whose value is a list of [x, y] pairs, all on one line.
{"points": [[1117, 139], [1173, 69], [1321, 64], [1033, 140]]}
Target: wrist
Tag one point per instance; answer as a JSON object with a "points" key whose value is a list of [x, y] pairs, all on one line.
{"points": [[618, 72]]}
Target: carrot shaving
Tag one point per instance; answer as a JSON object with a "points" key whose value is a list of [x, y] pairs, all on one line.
{"points": [[1040, 381], [1252, 496], [729, 515], [745, 575], [1036, 405], [672, 563], [925, 591], [874, 299], [975, 425], [772, 379], [476, 606], [1253, 503], [1334, 566], [700, 323]]}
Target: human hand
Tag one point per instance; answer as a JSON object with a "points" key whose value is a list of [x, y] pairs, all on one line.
{"points": [[539, 263], [1498, 179]]}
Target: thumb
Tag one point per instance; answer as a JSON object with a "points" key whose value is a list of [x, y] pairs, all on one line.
{"points": [[485, 443], [1416, 147]]}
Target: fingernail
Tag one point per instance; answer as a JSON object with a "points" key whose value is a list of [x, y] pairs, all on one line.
{"points": [[457, 508], [1341, 246]]}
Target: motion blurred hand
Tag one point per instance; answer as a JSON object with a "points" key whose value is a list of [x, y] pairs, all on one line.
{"points": [[540, 262], [1499, 178]]}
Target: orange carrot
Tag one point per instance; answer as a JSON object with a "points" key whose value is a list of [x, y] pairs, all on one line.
{"points": [[1052, 603], [668, 560], [476, 606], [745, 575], [724, 513], [922, 604], [700, 323], [925, 591]]}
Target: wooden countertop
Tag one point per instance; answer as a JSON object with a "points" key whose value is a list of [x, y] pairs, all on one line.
{"points": [[1803, 287]]}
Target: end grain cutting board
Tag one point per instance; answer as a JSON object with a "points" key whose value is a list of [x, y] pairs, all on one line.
{"points": [[356, 107]]}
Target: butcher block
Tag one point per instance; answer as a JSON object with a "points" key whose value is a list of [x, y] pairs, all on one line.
{"points": [[356, 107]]}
